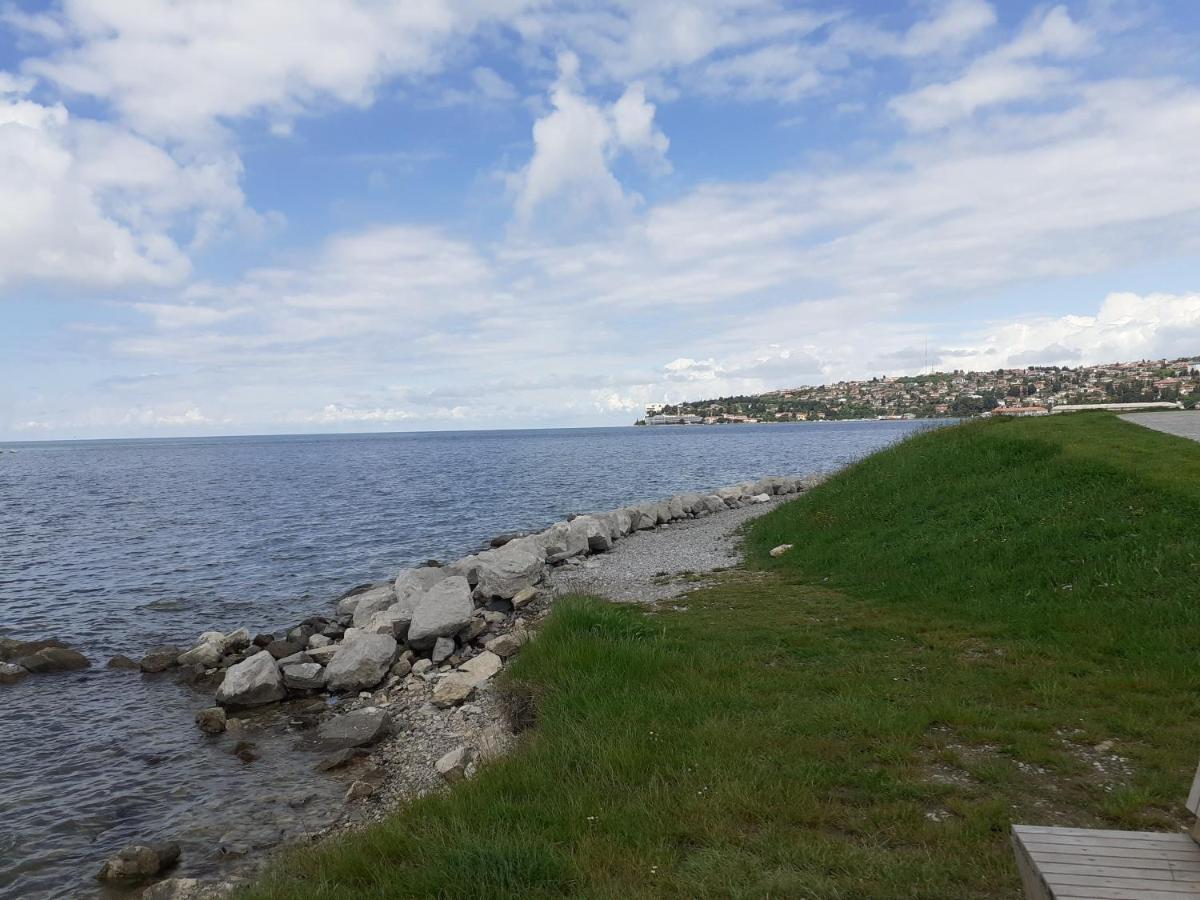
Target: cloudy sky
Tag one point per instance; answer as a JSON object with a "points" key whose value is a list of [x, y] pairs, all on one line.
{"points": [[244, 216]]}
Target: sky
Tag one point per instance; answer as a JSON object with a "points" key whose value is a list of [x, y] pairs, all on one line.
{"points": [[281, 216]]}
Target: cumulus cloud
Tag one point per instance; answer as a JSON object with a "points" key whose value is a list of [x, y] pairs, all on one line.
{"points": [[87, 201], [1127, 326], [575, 144]]}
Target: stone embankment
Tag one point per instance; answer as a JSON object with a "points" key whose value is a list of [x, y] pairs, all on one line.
{"points": [[403, 667]]}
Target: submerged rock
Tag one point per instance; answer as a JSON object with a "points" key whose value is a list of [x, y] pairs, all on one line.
{"points": [[53, 659], [123, 662], [211, 720], [159, 659], [252, 682], [10, 673], [140, 862]]}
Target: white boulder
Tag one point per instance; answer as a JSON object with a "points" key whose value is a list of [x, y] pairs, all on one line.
{"points": [[506, 571]]}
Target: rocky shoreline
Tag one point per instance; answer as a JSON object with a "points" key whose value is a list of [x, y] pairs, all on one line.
{"points": [[395, 686]]}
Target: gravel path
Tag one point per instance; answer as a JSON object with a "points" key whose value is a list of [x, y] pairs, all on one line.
{"points": [[1185, 423], [650, 565]]}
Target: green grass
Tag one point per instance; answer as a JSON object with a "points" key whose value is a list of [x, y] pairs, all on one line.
{"points": [[962, 620]]}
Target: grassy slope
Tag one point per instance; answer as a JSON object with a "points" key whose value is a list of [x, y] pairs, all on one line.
{"points": [[963, 618]]}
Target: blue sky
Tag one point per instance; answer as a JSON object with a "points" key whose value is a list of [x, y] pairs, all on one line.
{"points": [[278, 216]]}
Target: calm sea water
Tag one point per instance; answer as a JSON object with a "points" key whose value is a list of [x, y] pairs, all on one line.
{"points": [[114, 546]]}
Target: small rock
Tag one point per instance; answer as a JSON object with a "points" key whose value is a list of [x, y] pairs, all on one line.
{"points": [[304, 677], [453, 689], [359, 728], [780, 550], [322, 655], [11, 673], [211, 720], [761, 498], [139, 862], [524, 597], [341, 758], [482, 667], [494, 618], [122, 662], [360, 790], [443, 649], [263, 640], [421, 666], [401, 668], [504, 645], [319, 640], [284, 649], [245, 751], [453, 766]]}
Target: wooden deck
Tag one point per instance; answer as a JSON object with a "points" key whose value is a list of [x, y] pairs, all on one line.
{"points": [[1092, 864]]}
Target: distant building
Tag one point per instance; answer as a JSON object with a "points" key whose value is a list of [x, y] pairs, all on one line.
{"points": [[1020, 411], [653, 409]]}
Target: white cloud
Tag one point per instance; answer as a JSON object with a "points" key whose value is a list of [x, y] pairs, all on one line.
{"points": [[1007, 74], [1127, 326], [955, 23], [178, 70], [89, 202], [576, 142]]}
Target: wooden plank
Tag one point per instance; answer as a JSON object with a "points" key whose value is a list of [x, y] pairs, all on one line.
{"points": [[1053, 872], [1097, 832], [1167, 842], [1177, 854], [1104, 893], [1126, 862], [1035, 888], [1074, 883]]}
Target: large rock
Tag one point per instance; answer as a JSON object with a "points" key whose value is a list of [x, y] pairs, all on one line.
{"points": [[595, 532], [443, 610], [508, 570], [159, 659], [252, 682], [646, 515], [53, 659], [140, 862], [711, 503], [564, 540], [371, 602], [691, 502], [359, 728], [467, 567], [362, 663], [675, 507], [413, 584], [10, 673]]}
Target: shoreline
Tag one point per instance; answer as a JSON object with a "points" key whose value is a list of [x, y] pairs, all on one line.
{"points": [[427, 710]]}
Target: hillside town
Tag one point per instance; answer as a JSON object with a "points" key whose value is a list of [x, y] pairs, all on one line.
{"points": [[1035, 390]]}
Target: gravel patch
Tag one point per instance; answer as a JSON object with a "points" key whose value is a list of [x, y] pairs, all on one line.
{"points": [[659, 564], [1183, 423]]}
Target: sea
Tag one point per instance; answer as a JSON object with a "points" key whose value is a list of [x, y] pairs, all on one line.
{"points": [[119, 545]]}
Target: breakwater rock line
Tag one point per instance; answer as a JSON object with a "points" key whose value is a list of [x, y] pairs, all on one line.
{"points": [[398, 676]]}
